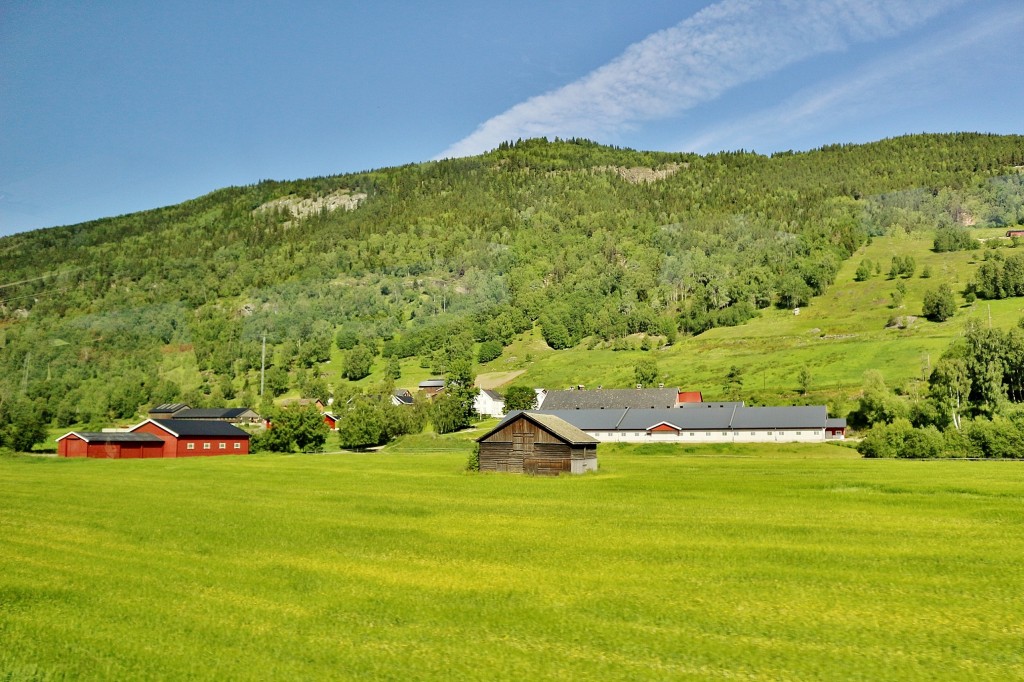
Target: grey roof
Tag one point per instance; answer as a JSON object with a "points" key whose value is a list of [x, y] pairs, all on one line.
{"points": [[697, 406], [213, 413], [556, 426], [590, 420], [803, 417], [835, 423], [403, 396], [200, 427], [493, 395], [114, 437], [712, 419], [611, 398], [432, 383], [169, 408], [715, 418]]}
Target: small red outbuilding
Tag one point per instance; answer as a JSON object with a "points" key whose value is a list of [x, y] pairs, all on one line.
{"points": [[117, 445]]}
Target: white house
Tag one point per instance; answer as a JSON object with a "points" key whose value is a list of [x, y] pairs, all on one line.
{"points": [[489, 404]]}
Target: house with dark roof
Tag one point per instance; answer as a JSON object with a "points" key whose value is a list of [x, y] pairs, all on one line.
{"points": [[536, 443], [167, 410], [232, 415], [401, 396], [729, 424], [431, 387]]}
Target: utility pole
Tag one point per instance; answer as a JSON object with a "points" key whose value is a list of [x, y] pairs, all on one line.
{"points": [[263, 363]]}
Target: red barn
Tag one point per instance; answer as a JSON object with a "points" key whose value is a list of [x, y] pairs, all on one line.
{"points": [[117, 445], [196, 438], [330, 420]]}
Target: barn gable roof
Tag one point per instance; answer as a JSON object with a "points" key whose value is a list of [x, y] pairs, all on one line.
{"points": [[113, 437], [557, 427], [611, 398], [193, 428]]}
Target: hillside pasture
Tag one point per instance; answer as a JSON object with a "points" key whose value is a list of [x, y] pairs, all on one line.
{"points": [[839, 336], [754, 562]]}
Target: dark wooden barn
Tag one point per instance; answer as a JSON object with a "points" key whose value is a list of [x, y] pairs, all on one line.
{"points": [[532, 443]]}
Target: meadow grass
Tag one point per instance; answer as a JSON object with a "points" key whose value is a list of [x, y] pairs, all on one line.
{"points": [[838, 337], [761, 562]]}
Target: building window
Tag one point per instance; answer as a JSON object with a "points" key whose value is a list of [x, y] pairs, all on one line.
{"points": [[223, 446], [753, 433], [190, 446], [799, 433], [708, 433], [724, 433], [238, 446], [206, 446]]}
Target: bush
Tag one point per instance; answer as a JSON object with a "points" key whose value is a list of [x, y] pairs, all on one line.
{"points": [[474, 458], [939, 304], [885, 440], [489, 350]]}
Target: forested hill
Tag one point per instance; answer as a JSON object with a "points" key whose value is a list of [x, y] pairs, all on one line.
{"points": [[430, 260]]}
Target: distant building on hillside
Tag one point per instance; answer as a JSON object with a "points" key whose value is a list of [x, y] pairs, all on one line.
{"points": [[431, 387], [232, 415], [167, 410], [489, 403], [611, 398]]}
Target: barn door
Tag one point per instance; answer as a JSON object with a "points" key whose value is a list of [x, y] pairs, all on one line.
{"points": [[519, 445]]}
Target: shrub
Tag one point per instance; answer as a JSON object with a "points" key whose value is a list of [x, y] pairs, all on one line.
{"points": [[489, 350], [473, 464], [885, 440]]}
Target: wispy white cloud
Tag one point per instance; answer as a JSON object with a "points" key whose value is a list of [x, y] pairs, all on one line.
{"points": [[728, 43], [910, 77]]}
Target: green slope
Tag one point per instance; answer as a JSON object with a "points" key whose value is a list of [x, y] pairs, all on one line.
{"points": [[534, 245]]}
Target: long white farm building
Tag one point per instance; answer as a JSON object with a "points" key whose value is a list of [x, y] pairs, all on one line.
{"points": [[712, 424]]}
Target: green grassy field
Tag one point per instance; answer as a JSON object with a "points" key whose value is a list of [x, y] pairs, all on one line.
{"points": [[755, 562]]}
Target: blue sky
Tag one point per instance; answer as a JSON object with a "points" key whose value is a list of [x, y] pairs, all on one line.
{"points": [[113, 107]]}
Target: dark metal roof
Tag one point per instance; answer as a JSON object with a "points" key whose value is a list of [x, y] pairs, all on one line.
{"points": [[698, 406], [493, 395], [557, 427], [802, 417], [214, 413], [611, 398], [169, 408], [403, 396], [715, 418], [835, 423], [590, 420], [188, 428], [113, 437]]}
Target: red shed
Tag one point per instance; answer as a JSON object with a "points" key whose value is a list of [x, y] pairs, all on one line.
{"points": [[116, 445], [330, 420], [195, 438]]}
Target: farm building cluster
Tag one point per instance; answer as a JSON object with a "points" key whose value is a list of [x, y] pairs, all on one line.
{"points": [[562, 435], [158, 438], [559, 436]]}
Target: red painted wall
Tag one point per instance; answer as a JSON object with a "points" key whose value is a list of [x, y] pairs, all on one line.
{"points": [[179, 447], [73, 446]]}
